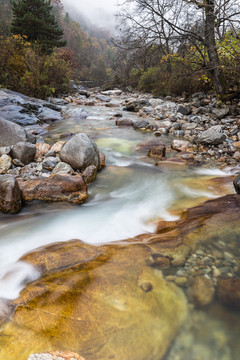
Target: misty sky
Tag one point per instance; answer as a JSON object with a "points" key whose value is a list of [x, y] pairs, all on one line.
{"points": [[90, 6], [100, 12]]}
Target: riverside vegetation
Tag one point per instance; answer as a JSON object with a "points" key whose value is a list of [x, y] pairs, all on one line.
{"points": [[147, 267]]}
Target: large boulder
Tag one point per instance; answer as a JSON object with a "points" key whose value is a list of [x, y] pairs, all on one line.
{"points": [[49, 115], [24, 151], [80, 152], [10, 195], [212, 136], [18, 115], [56, 188], [11, 133]]}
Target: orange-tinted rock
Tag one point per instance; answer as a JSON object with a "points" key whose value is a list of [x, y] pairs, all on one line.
{"points": [[89, 174], [202, 291], [10, 195], [41, 150], [149, 144], [55, 188], [157, 152], [228, 291], [57, 147], [102, 160]]}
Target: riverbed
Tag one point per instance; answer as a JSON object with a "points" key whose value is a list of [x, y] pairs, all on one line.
{"points": [[128, 198]]}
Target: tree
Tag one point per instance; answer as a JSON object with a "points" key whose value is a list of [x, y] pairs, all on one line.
{"points": [[198, 23], [34, 20]]}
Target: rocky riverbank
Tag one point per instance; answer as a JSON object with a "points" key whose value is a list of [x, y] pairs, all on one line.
{"points": [[30, 168]]}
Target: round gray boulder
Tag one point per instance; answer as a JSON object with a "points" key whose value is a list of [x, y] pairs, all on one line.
{"points": [[80, 152]]}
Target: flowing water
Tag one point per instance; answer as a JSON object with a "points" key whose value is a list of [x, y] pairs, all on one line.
{"points": [[129, 196]]}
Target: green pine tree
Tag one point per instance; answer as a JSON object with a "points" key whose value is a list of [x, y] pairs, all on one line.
{"points": [[35, 20]]}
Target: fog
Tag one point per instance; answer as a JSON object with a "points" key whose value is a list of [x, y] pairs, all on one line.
{"points": [[100, 13]]}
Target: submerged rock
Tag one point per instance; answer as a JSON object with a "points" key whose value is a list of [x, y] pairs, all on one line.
{"points": [[100, 301], [10, 195], [228, 291], [56, 188], [80, 152]]}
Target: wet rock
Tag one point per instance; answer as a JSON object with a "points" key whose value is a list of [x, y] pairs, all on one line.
{"points": [[146, 286], [17, 163], [11, 134], [157, 152], [236, 184], [132, 106], [80, 152], [76, 113], [102, 161], [149, 144], [90, 174], [17, 115], [41, 150], [115, 92], [180, 145], [50, 162], [24, 151], [57, 355], [63, 169], [10, 195], [5, 150], [56, 188], [84, 93], [184, 110], [5, 163], [228, 291], [182, 281], [49, 115], [220, 113], [212, 136], [124, 122], [57, 147], [202, 291], [103, 98], [140, 124], [85, 286]]}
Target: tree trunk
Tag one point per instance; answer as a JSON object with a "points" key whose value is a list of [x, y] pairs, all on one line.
{"points": [[210, 42]]}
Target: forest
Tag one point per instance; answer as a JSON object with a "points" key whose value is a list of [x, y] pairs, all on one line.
{"points": [[159, 47]]}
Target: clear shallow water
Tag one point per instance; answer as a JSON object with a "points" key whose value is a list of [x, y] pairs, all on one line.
{"points": [[127, 198]]}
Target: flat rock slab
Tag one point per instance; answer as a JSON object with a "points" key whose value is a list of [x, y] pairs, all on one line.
{"points": [[56, 188], [17, 115]]}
